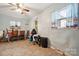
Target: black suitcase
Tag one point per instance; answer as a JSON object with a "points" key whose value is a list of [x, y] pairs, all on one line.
{"points": [[44, 42]]}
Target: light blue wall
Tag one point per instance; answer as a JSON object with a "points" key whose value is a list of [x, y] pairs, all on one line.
{"points": [[5, 21], [64, 39]]}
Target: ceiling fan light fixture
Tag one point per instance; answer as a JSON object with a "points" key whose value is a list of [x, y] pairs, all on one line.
{"points": [[20, 5], [19, 10]]}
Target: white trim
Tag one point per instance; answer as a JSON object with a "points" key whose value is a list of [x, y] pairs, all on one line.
{"points": [[60, 51]]}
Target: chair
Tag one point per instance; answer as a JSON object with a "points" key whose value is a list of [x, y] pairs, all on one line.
{"points": [[36, 39], [21, 35], [13, 35]]}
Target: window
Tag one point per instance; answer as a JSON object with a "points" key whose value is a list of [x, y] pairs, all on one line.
{"points": [[63, 13], [14, 23], [63, 23], [64, 17], [18, 23]]}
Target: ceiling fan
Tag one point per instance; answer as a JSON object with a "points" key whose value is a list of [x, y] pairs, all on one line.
{"points": [[19, 7]]}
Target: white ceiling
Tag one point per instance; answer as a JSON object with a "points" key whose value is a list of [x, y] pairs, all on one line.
{"points": [[37, 6], [35, 9]]}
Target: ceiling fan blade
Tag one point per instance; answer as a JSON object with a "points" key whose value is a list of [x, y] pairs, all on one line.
{"points": [[11, 4], [13, 8], [26, 10], [22, 12], [18, 5]]}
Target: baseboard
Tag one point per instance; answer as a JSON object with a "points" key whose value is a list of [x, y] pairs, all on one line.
{"points": [[61, 51]]}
